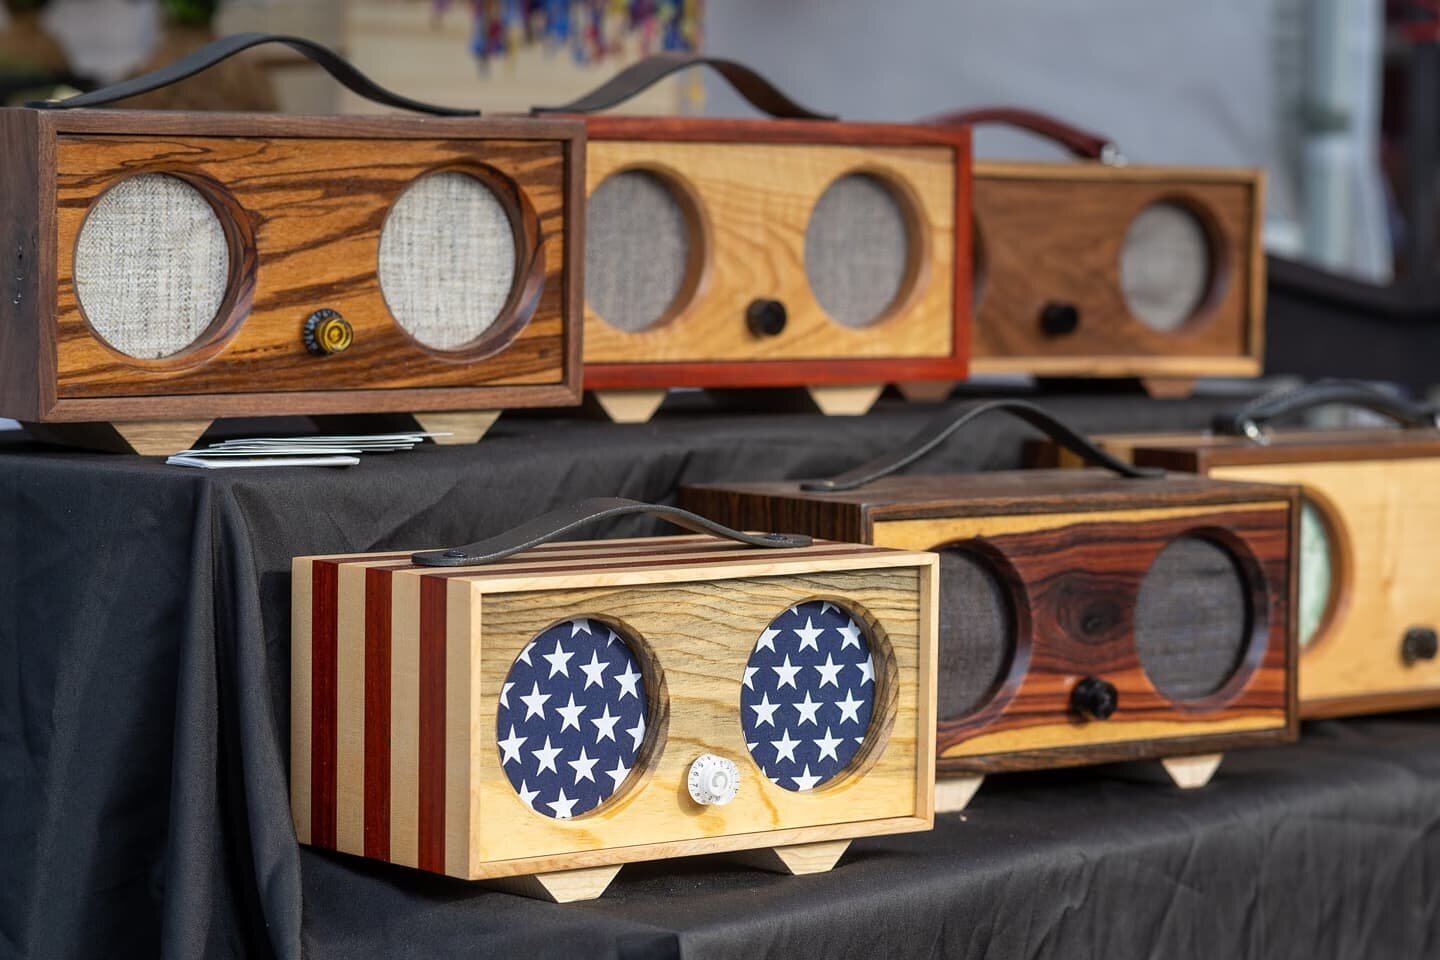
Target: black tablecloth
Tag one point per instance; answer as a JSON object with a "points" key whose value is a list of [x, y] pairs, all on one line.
{"points": [[144, 652]]}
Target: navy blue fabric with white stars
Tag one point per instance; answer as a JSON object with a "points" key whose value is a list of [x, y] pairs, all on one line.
{"points": [[571, 718], [807, 695]]}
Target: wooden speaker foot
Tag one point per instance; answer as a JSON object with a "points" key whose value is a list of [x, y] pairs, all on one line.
{"points": [[1190, 773], [561, 886], [464, 426], [157, 438], [626, 406], [1169, 388], [845, 400], [926, 391], [953, 794], [797, 858]]}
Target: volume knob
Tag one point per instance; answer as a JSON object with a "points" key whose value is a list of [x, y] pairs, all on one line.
{"points": [[326, 332], [713, 780]]}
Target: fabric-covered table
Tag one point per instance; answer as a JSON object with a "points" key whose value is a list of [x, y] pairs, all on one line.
{"points": [[144, 656]]}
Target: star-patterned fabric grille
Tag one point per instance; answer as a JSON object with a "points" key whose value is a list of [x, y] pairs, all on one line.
{"points": [[571, 718], [807, 695]]}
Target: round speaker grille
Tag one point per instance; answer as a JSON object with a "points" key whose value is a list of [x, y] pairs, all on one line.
{"points": [[1317, 570], [1192, 619], [977, 632], [857, 249], [807, 695], [571, 719], [637, 249], [447, 259], [151, 266], [1165, 266]]}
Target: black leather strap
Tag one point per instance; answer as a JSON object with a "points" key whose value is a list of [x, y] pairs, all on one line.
{"points": [[939, 429], [638, 77], [227, 47], [1250, 420], [558, 523]]}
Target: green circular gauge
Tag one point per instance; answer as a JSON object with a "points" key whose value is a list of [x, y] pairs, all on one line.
{"points": [[1317, 570]]}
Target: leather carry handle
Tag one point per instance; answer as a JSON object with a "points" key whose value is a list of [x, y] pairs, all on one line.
{"points": [[558, 523], [940, 429], [227, 47], [1085, 144], [1251, 419], [640, 76]]}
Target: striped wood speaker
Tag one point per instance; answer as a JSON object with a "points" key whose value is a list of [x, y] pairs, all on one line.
{"points": [[537, 715], [1367, 612], [789, 252], [1085, 616], [1108, 269], [169, 268]]}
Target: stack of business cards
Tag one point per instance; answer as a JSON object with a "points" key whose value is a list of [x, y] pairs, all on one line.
{"points": [[332, 451]]}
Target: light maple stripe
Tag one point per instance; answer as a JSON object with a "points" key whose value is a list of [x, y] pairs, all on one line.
{"points": [[430, 818], [350, 710], [459, 746]]}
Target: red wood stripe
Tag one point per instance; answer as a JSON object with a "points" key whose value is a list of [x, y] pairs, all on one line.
{"points": [[325, 589], [377, 713], [431, 818]]}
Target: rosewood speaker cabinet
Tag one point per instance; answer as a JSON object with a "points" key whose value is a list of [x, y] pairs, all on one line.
{"points": [[1104, 268], [1368, 609], [537, 714], [1085, 616], [165, 269], [796, 251]]}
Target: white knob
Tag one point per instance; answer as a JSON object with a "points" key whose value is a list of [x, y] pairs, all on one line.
{"points": [[713, 780]]}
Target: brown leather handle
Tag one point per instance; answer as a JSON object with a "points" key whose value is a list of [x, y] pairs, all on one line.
{"points": [[1085, 144]]}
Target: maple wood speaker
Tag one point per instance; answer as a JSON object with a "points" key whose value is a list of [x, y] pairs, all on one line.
{"points": [[1108, 269], [1085, 616], [537, 714], [176, 266], [1367, 611], [784, 252]]}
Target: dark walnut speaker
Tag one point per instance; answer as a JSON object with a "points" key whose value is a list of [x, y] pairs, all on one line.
{"points": [[536, 714], [1103, 268], [796, 251], [1085, 616], [166, 267], [1368, 611]]}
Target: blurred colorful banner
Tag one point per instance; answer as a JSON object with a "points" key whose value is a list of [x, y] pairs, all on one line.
{"points": [[590, 29]]}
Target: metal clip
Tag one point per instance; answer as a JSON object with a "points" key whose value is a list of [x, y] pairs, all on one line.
{"points": [[1111, 155], [1255, 433]]}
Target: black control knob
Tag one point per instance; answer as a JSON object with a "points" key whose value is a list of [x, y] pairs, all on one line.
{"points": [[327, 332], [765, 318], [1094, 698], [1420, 643], [1059, 319]]}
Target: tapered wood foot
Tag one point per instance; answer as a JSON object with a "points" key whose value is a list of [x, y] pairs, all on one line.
{"points": [[463, 426], [156, 438], [926, 391], [626, 406], [845, 400], [1190, 773], [795, 859], [562, 886], [1168, 388], [953, 794]]}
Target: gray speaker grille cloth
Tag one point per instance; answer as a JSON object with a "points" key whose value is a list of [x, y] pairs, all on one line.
{"points": [[1192, 619], [447, 259], [151, 265], [977, 632], [1165, 266], [637, 246], [857, 246]]}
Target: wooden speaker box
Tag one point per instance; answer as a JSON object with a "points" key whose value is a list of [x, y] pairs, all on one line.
{"points": [[1368, 611], [1085, 616], [165, 269], [539, 715], [796, 251], [1108, 269]]}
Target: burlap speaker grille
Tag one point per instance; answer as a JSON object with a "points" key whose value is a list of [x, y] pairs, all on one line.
{"points": [[857, 249], [1317, 570], [977, 632], [1192, 618], [151, 266], [637, 249], [447, 259], [1165, 266]]}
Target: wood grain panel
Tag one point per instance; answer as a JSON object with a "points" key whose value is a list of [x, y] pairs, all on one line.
{"points": [[1054, 232]]}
